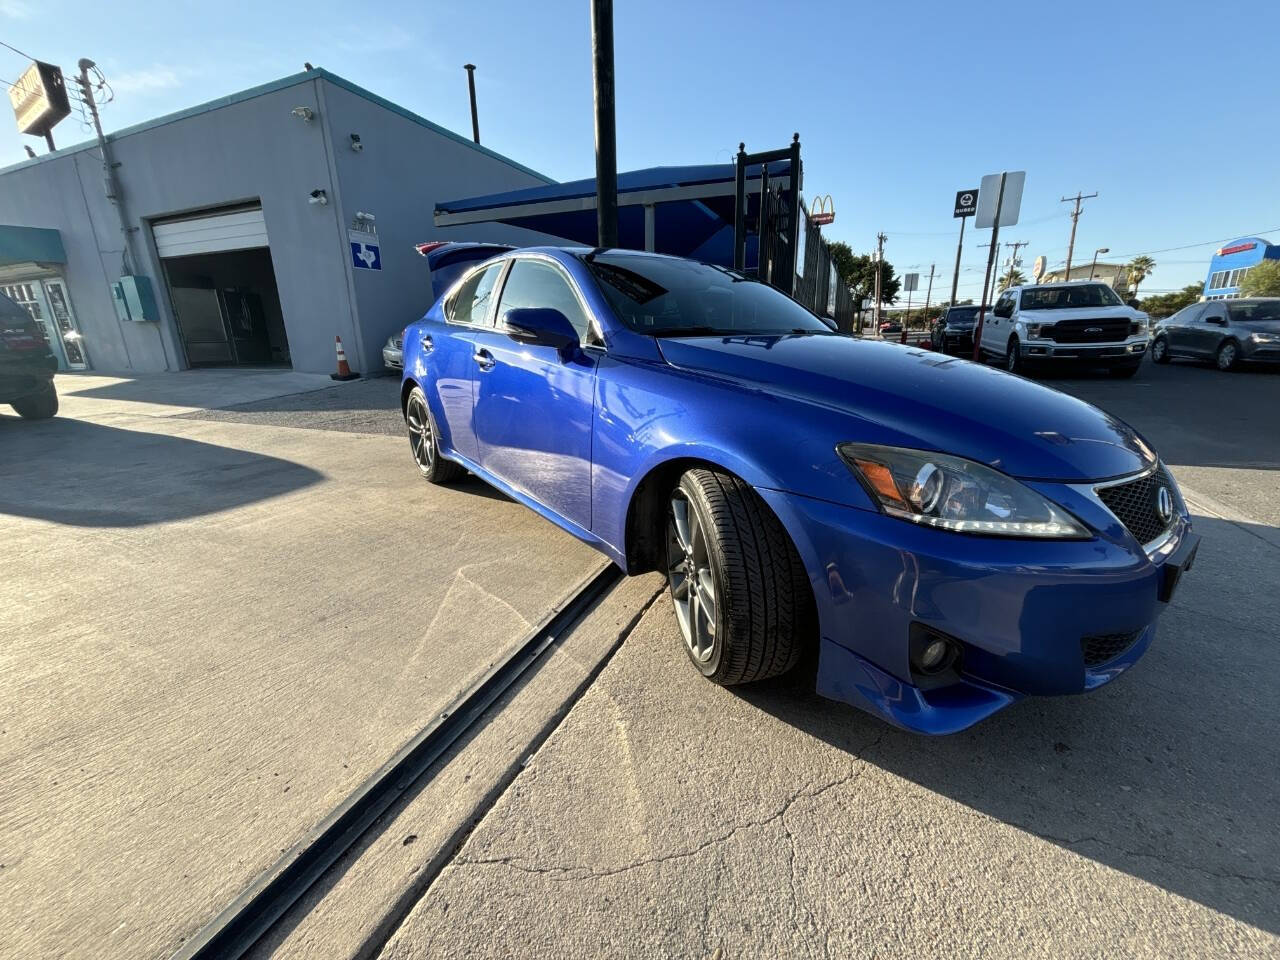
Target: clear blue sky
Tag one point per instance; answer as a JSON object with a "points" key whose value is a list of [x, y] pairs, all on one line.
{"points": [[1163, 108]]}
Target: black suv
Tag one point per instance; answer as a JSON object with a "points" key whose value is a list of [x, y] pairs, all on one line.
{"points": [[953, 331], [27, 365]]}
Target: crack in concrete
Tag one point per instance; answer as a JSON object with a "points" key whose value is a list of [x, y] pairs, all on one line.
{"points": [[579, 872]]}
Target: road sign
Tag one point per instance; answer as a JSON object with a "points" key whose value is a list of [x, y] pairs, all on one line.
{"points": [[365, 256], [966, 203], [985, 218], [911, 283]]}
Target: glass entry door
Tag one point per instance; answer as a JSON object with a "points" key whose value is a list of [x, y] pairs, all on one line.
{"points": [[50, 307]]}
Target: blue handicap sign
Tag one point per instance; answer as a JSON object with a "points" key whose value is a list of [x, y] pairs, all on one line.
{"points": [[365, 255]]}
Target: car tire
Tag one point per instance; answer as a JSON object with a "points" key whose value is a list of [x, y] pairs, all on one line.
{"points": [[424, 442], [1160, 350], [1228, 355], [1124, 372], [1013, 357], [40, 405], [726, 550]]}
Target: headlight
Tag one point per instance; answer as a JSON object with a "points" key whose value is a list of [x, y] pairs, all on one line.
{"points": [[951, 493]]}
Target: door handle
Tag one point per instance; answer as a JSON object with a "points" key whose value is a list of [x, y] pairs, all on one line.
{"points": [[427, 343], [484, 359]]}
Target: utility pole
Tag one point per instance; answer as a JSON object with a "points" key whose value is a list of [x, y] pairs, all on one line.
{"points": [[1075, 218], [1014, 260], [110, 182], [471, 85], [606, 127], [875, 307], [928, 293]]}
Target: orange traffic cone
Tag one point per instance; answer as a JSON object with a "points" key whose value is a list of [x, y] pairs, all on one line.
{"points": [[344, 371]]}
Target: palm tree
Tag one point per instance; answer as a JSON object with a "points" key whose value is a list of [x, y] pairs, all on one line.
{"points": [[1014, 278], [1139, 269]]}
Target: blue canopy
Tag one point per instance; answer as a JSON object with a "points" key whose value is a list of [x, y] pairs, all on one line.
{"points": [[30, 244], [692, 209]]}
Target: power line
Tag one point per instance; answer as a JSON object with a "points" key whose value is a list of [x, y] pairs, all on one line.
{"points": [[16, 50]]}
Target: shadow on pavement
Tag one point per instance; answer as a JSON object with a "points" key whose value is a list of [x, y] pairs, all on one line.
{"points": [[1170, 773], [85, 474]]}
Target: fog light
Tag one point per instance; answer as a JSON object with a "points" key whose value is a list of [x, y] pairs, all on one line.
{"points": [[933, 655]]}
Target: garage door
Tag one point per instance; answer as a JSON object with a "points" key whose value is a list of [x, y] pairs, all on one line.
{"points": [[213, 233]]}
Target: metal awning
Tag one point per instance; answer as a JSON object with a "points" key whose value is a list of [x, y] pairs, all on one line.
{"points": [[686, 211], [30, 245]]}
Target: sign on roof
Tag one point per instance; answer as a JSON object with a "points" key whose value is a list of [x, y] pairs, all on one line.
{"points": [[39, 99]]}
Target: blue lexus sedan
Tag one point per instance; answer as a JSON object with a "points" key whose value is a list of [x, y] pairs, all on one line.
{"points": [[945, 537]]}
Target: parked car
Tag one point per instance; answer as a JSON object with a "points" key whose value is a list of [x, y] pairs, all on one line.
{"points": [[27, 364], [890, 328], [953, 331], [1083, 323], [393, 352], [946, 538], [1228, 332]]}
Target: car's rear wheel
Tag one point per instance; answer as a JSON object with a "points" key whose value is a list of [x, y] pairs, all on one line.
{"points": [[1160, 350], [40, 405], [424, 444], [743, 602], [1228, 357]]}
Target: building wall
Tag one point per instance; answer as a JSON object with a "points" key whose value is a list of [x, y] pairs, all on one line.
{"points": [[1232, 260], [1113, 275], [249, 147], [403, 170]]}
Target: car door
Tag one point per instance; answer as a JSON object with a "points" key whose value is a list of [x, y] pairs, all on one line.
{"points": [[995, 330], [1178, 328], [448, 355], [534, 408], [1209, 330]]}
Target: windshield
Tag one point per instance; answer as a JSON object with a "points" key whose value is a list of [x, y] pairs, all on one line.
{"points": [[1067, 298], [1255, 311], [663, 296], [962, 315]]}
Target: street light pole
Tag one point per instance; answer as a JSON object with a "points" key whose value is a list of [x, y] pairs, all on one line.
{"points": [[1093, 266], [606, 126]]}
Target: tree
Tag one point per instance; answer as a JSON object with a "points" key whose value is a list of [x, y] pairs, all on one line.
{"points": [[1014, 278], [858, 272], [1167, 304], [1139, 269], [1262, 280]]}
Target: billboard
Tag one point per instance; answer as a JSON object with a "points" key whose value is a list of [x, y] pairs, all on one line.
{"points": [[39, 99]]}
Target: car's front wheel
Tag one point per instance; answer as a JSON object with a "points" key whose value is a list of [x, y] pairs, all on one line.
{"points": [[1160, 350], [40, 405], [1228, 357], [1013, 356], [423, 443], [742, 600]]}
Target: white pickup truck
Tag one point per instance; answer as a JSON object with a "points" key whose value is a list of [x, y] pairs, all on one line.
{"points": [[1081, 322]]}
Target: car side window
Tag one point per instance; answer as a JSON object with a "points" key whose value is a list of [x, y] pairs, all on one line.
{"points": [[1004, 306], [1213, 312], [471, 302], [533, 283], [1187, 315]]}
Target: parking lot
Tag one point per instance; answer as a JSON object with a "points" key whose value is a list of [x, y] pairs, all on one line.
{"points": [[234, 599]]}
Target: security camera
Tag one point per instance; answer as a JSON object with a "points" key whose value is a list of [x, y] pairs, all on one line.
{"points": [[305, 114], [356, 145], [319, 196]]}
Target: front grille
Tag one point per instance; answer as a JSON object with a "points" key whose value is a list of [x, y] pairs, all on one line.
{"points": [[1108, 330], [1136, 504], [1106, 647]]}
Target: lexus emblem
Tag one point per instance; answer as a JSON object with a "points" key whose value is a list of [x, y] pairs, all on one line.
{"points": [[1164, 504], [1092, 329]]}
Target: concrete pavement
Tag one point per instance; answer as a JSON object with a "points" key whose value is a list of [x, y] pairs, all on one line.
{"points": [[216, 625], [668, 817]]}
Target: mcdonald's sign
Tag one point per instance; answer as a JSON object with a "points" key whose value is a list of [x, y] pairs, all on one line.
{"points": [[823, 210]]}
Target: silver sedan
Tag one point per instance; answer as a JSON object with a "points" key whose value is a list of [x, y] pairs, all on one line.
{"points": [[393, 352]]}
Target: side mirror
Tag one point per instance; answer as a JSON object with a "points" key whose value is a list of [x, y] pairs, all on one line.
{"points": [[540, 326]]}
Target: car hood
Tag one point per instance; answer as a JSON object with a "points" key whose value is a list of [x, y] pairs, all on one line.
{"points": [[921, 399], [1079, 313]]}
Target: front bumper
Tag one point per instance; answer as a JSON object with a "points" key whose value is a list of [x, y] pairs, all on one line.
{"points": [[392, 357], [1129, 351], [1263, 351], [1020, 609], [957, 340]]}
